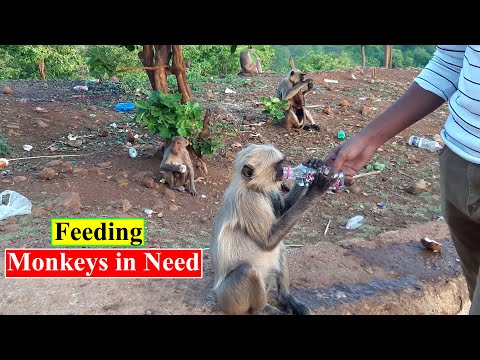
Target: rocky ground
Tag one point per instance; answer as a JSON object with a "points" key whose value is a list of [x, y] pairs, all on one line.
{"points": [[342, 271]]}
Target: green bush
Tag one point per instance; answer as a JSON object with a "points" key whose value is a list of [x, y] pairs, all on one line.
{"points": [[274, 106], [164, 114]]}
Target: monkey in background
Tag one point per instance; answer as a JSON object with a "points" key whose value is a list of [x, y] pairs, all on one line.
{"points": [[291, 89], [248, 255], [247, 65], [177, 166]]}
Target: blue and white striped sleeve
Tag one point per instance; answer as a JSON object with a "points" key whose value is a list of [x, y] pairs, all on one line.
{"points": [[441, 74]]}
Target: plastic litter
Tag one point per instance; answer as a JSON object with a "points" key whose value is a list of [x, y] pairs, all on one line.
{"points": [[123, 107], [17, 205]]}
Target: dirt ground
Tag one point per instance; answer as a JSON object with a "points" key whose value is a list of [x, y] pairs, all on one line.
{"points": [[111, 184]]}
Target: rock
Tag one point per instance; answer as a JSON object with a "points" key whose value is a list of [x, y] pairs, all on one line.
{"points": [[9, 221], [8, 90], [66, 167], [39, 212], [142, 174], [54, 163], [104, 133], [344, 103], [123, 205], [328, 111], [412, 158], [47, 173], [371, 81], [355, 189], [104, 164], [249, 117], [366, 110], [19, 178], [431, 244], [41, 124], [80, 171], [237, 145], [230, 155], [160, 214], [417, 188], [158, 204], [10, 228], [68, 200], [148, 182], [173, 208], [75, 143], [169, 194], [209, 94], [120, 180]]}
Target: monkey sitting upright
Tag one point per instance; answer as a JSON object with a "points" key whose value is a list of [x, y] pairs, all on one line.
{"points": [[248, 255], [291, 89], [177, 166], [247, 65]]}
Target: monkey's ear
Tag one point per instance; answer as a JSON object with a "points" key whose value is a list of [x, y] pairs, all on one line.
{"points": [[247, 171]]}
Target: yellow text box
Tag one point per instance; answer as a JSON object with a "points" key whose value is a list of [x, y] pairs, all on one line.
{"points": [[98, 232]]}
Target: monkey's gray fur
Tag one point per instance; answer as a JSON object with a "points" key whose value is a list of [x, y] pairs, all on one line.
{"points": [[247, 65], [246, 247]]}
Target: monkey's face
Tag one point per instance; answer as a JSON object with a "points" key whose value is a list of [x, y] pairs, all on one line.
{"points": [[178, 143], [261, 167], [296, 76]]}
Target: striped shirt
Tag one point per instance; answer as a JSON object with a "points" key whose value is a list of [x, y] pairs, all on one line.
{"points": [[453, 73]]}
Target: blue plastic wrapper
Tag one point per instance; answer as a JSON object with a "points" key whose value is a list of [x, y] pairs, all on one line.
{"points": [[122, 107]]}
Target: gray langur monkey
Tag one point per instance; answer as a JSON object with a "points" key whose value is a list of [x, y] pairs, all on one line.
{"points": [[291, 88], [247, 65], [247, 252]]}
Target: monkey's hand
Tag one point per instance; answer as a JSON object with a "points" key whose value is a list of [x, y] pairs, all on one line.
{"points": [[313, 163], [177, 168], [193, 192], [320, 185]]}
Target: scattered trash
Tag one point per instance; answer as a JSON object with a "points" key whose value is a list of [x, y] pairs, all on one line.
{"points": [[149, 212], [92, 80], [422, 143], [27, 147], [229, 91], [376, 166], [440, 218], [132, 152], [204, 196], [340, 135], [123, 107], [71, 137], [92, 115], [331, 81], [326, 228], [41, 110], [354, 222], [431, 244], [114, 125], [382, 205], [80, 88], [354, 77], [16, 205]]}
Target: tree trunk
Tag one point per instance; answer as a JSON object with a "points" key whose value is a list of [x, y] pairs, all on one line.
{"points": [[146, 57], [163, 53], [364, 59], [388, 56], [41, 68], [180, 71]]}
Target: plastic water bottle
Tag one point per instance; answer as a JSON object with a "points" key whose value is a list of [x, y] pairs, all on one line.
{"points": [[423, 143], [80, 88], [354, 222], [302, 174]]}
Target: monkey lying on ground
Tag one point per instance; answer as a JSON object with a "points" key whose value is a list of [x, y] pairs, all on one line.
{"points": [[248, 255], [291, 89], [248, 66], [177, 166]]}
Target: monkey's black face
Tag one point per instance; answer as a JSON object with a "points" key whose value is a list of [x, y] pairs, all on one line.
{"points": [[279, 171]]}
